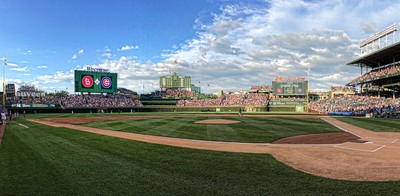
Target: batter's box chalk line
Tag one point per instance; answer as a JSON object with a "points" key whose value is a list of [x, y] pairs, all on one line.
{"points": [[364, 147]]}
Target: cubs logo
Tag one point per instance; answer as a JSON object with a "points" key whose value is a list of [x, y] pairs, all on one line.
{"points": [[87, 81], [106, 82], [299, 90]]}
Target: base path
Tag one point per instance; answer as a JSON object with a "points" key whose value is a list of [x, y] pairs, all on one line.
{"points": [[377, 159]]}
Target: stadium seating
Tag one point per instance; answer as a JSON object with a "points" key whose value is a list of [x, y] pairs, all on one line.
{"points": [[228, 99], [86, 101], [357, 105], [377, 74]]}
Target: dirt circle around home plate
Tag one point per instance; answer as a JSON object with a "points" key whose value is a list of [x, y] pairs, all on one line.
{"points": [[367, 156], [217, 122]]}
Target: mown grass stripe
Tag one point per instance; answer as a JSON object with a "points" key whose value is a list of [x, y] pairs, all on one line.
{"points": [[250, 129]]}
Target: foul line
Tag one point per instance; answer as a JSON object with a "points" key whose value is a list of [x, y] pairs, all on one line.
{"points": [[379, 148], [337, 146], [341, 128], [388, 140], [23, 125]]}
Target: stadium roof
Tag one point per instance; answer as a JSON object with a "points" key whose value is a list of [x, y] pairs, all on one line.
{"points": [[380, 57]]}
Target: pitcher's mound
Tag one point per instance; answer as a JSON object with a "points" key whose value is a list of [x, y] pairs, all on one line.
{"points": [[217, 121]]}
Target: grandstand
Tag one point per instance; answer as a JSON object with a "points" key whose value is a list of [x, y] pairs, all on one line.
{"points": [[379, 85], [380, 57]]}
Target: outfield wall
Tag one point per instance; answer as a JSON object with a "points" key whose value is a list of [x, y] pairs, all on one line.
{"points": [[288, 108]]}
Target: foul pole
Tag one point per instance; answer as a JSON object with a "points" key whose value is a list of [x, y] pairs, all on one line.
{"points": [[4, 80], [308, 84]]}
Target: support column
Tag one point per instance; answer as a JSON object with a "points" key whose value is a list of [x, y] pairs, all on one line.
{"points": [[379, 92]]}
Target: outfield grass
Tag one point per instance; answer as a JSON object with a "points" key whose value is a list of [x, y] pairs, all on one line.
{"points": [[47, 160], [63, 115], [374, 124], [250, 129]]}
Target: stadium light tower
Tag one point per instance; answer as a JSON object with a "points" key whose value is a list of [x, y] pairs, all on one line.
{"points": [[4, 80]]}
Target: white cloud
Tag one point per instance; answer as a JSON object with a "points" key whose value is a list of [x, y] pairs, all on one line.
{"points": [[248, 45], [127, 47], [107, 55], [74, 56], [80, 52], [20, 69], [14, 81], [333, 77], [77, 54], [283, 38], [12, 65], [28, 52], [42, 67], [106, 49], [58, 77]]}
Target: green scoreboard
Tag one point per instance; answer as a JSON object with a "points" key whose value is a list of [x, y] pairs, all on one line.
{"points": [[95, 81], [290, 87]]}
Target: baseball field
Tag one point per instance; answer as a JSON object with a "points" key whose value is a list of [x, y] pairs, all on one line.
{"points": [[199, 154]]}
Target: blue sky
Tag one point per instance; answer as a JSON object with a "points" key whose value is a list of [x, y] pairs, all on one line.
{"points": [[223, 44]]}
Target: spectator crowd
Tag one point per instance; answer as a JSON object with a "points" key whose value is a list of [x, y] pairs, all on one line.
{"points": [[342, 89], [264, 88], [378, 73], [228, 99], [356, 104], [173, 93], [85, 101]]}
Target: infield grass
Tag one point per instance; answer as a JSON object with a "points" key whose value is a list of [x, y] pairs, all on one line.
{"points": [[374, 124], [43, 160], [249, 129]]}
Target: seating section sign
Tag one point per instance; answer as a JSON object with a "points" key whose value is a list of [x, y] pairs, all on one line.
{"points": [[95, 82]]}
